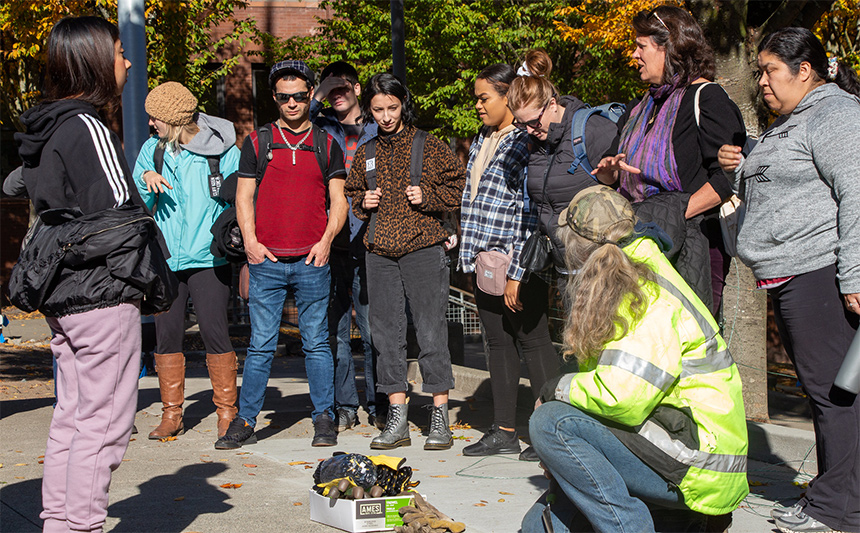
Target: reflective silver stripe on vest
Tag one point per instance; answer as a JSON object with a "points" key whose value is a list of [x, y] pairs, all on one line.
{"points": [[638, 367], [715, 359], [716, 462]]}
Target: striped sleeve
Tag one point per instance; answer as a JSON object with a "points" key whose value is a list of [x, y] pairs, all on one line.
{"points": [[107, 158]]}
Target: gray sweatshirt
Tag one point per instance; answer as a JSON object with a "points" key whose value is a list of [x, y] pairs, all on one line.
{"points": [[801, 187]]}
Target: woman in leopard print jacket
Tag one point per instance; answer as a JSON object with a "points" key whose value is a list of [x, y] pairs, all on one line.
{"points": [[406, 259]]}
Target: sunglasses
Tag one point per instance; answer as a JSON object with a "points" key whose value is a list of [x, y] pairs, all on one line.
{"points": [[534, 123], [285, 97]]}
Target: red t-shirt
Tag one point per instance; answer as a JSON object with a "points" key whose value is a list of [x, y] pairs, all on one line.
{"points": [[291, 213]]}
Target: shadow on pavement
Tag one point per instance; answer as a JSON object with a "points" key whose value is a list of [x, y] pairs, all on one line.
{"points": [[20, 505], [12, 407], [172, 502]]}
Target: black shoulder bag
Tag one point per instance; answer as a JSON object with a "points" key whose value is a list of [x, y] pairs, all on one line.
{"points": [[536, 255]]}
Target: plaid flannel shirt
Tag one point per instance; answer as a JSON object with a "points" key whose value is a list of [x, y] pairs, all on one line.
{"points": [[495, 219]]}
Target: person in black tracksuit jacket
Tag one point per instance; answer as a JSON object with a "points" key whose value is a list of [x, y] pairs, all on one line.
{"points": [[74, 163]]}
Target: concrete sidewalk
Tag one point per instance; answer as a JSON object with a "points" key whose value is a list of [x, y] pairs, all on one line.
{"points": [[176, 485]]}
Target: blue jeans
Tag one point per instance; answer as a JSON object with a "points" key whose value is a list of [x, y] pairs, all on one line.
{"points": [[348, 273], [597, 475], [269, 282]]}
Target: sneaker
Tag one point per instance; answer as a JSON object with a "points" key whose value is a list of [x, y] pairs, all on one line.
{"points": [[802, 523], [530, 455], [782, 512], [238, 434], [346, 419], [495, 441], [324, 431]]}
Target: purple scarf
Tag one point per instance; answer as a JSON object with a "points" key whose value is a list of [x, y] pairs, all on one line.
{"points": [[649, 146]]}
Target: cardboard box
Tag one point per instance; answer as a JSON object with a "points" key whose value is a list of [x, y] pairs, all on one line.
{"points": [[372, 514]]}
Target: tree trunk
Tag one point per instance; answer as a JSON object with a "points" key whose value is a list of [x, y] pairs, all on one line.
{"points": [[744, 313]]}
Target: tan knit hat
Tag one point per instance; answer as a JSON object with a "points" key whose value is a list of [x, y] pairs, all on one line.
{"points": [[171, 103]]}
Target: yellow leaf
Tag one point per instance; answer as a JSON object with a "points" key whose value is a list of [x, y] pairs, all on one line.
{"points": [[440, 476], [231, 485], [480, 505], [294, 463], [246, 465], [297, 503], [506, 493], [501, 500]]}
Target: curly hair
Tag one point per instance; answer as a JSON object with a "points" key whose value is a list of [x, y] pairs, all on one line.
{"points": [[606, 279], [688, 53]]}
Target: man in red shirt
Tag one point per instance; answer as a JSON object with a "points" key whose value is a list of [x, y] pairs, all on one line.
{"points": [[287, 232]]}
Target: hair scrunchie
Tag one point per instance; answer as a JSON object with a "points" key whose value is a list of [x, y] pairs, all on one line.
{"points": [[523, 70], [832, 68]]}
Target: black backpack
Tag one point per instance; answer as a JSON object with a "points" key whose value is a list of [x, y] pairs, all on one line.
{"points": [[215, 177]]}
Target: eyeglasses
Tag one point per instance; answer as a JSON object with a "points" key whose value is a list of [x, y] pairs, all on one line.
{"points": [[534, 123], [283, 98]]}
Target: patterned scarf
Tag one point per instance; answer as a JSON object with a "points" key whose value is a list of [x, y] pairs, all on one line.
{"points": [[647, 142]]}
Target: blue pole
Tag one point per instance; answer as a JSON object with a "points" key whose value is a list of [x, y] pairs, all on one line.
{"points": [[135, 123]]}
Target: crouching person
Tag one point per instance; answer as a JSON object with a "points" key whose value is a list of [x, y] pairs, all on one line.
{"points": [[654, 420]]}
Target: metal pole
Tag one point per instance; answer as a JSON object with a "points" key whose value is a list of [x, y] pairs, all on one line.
{"points": [[398, 40], [135, 123]]}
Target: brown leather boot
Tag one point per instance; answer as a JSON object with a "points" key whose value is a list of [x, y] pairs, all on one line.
{"points": [[171, 381], [222, 374]]}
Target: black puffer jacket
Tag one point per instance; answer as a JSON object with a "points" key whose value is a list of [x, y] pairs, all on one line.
{"points": [[689, 253], [562, 184], [75, 165], [71, 263]]}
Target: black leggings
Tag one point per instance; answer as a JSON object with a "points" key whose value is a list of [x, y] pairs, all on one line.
{"points": [[209, 288], [816, 330], [503, 329]]}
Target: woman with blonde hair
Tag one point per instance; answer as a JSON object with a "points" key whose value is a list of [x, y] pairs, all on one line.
{"points": [[654, 419], [554, 174], [195, 152]]}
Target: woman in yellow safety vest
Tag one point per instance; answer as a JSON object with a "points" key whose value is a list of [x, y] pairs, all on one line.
{"points": [[654, 419]]}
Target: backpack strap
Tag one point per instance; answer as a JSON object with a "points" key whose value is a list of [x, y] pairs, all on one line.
{"points": [[416, 157], [264, 149], [612, 111], [370, 178], [158, 158], [320, 144], [370, 163], [696, 110]]}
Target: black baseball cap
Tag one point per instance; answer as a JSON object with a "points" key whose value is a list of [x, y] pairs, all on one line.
{"points": [[290, 66]]}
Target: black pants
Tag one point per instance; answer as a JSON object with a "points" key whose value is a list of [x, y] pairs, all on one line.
{"points": [[210, 290], [503, 329], [816, 331]]}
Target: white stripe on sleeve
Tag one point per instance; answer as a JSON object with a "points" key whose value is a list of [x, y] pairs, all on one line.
{"points": [[107, 157]]}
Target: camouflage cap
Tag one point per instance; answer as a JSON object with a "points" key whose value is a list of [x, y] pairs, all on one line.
{"points": [[596, 210]]}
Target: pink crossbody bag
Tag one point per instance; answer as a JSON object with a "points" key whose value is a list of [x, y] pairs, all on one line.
{"points": [[491, 269]]}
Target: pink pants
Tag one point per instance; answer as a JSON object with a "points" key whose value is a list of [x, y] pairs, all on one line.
{"points": [[98, 363]]}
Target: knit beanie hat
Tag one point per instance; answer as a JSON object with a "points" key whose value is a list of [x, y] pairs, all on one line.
{"points": [[171, 103]]}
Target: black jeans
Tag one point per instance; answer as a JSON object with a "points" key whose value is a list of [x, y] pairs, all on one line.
{"points": [[422, 277], [210, 290], [816, 331], [503, 329]]}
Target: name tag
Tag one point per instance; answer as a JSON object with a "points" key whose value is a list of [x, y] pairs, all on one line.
{"points": [[370, 164]]}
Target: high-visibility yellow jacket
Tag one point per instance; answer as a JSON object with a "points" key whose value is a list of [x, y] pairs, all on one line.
{"points": [[675, 390]]}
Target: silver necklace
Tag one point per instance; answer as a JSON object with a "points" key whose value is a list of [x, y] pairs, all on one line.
{"points": [[295, 147]]}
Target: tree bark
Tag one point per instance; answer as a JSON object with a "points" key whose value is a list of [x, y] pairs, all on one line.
{"points": [[744, 313]]}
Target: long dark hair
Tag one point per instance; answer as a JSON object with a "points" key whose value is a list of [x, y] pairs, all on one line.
{"points": [[389, 84], [500, 76], [688, 53], [793, 46], [80, 61]]}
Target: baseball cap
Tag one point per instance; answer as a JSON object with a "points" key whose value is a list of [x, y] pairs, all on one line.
{"points": [[290, 66], [594, 211]]}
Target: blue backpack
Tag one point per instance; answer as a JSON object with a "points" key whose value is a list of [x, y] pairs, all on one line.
{"points": [[612, 111]]}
